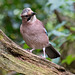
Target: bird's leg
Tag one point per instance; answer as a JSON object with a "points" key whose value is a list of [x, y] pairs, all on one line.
{"points": [[44, 53], [32, 50]]}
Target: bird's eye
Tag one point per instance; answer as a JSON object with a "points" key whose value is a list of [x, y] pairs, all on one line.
{"points": [[26, 15]]}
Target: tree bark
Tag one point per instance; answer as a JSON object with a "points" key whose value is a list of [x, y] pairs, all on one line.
{"points": [[14, 58]]}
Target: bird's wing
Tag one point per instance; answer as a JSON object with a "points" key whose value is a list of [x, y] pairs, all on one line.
{"points": [[44, 28]]}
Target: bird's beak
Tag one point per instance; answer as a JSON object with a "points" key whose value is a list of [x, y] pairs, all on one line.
{"points": [[33, 13]]}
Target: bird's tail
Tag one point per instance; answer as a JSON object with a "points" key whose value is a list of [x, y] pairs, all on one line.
{"points": [[51, 52]]}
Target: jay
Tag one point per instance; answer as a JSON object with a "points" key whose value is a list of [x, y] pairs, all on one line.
{"points": [[35, 34]]}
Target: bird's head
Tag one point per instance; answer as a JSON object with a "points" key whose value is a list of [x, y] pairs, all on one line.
{"points": [[28, 15]]}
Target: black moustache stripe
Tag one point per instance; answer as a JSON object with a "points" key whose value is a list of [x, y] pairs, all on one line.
{"points": [[29, 18]]}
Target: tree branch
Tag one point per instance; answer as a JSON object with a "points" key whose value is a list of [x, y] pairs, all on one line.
{"points": [[62, 18], [13, 57]]}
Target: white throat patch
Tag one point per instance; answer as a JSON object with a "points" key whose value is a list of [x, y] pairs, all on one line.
{"points": [[33, 18]]}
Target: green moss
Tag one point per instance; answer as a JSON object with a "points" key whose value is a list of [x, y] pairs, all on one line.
{"points": [[23, 66], [1, 37]]}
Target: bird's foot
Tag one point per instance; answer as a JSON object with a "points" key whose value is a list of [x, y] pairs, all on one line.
{"points": [[30, 50], [43, 57]]}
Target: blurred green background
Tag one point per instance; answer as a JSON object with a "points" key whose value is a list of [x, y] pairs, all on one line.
{"points": [[58, 16]]}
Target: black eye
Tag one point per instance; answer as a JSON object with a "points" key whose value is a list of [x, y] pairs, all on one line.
{"points": [[26, 15]]}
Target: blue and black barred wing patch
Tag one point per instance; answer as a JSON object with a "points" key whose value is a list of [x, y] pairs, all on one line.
{"points": [[46, 31]]}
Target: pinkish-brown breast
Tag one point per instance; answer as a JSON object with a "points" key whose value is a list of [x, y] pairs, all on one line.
{"points": [[34, 35]]}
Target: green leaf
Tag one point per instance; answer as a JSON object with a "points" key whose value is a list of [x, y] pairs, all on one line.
{"points": [[55, 4], [25, 46], [57, 33], [69, 0], [49, 26], [60, 25], [72, 28], [69, 59], [71, 37], [49, 59]]}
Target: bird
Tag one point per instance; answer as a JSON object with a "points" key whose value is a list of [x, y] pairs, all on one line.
{"points": [[35, 34]]}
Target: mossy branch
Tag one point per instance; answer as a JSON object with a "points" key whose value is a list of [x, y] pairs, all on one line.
{"points": [[13, 57]]}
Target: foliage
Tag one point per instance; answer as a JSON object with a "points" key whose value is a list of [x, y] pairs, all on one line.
{"points": [[69, 59], [71, 37]]}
